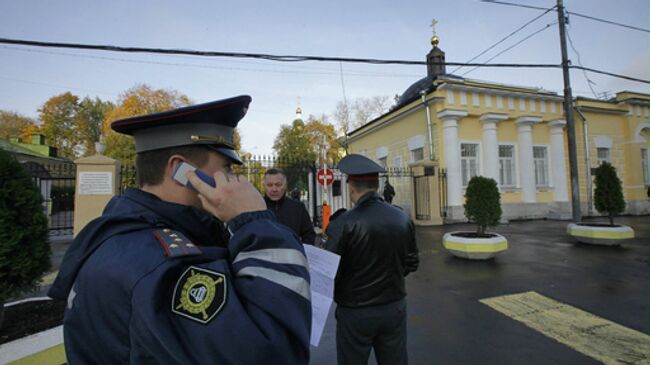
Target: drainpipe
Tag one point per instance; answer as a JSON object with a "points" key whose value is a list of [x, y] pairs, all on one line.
{"points": [[585, 137], [426, 106]]}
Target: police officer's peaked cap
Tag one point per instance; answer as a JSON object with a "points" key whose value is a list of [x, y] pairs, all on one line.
{"points": [[211, 124], [358, 165]]}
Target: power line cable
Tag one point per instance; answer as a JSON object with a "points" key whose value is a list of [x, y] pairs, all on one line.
{"points": [[506, 37], [291, 58], [572, 13], [609, 22], [513, 46], [611, 74], [195, 65], [589, 82], [513, 4], [279, 58]]}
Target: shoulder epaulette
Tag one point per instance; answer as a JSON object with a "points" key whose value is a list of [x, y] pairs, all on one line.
{"points": [[175, 243]]}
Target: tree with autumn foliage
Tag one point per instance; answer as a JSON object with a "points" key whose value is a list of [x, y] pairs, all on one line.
{"points": [[15, 125], [58, 117], [139, 100]]}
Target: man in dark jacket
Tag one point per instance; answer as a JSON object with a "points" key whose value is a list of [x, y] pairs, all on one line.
{"points": [[158, 279], [377, 245], [290, 212]]}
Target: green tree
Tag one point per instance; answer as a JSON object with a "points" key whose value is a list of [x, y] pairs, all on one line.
{"points": [[24, 246], [89, 118], [139, 100], [14, 125], [302, 141], [608, 196], [58, 116], [483, 202]]}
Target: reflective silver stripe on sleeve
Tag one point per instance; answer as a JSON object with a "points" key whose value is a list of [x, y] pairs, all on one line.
{"points": [[275, 255], [291, 282]]}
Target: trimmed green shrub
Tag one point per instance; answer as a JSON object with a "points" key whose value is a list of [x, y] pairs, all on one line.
{"points": [[608, 196], [483, 202], [24, 246]]}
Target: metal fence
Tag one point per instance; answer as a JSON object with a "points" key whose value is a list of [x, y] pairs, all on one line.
{"points": [[301, 181], [56, 183]]}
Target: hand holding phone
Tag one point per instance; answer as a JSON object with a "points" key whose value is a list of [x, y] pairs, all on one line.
{"points": [[232, 196], [180, 175]]}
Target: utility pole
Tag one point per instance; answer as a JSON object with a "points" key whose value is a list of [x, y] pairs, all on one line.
{"points": [[570, 124]]}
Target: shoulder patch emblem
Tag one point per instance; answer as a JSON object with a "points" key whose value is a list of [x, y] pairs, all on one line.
{"points": [[175, 243], [199, 294]]}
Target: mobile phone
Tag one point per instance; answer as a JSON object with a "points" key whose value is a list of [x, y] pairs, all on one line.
{"points": [[180, 175]]}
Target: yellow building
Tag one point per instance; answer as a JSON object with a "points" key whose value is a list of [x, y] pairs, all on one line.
{"points": [[448, 129]]}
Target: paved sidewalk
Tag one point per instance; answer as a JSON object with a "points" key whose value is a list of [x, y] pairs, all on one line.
{"points": [[448, 325]]}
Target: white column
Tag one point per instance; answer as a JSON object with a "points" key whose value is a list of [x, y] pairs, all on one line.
{"points": [[491, 144], [449, 120], [560, 190], [526, 161]]}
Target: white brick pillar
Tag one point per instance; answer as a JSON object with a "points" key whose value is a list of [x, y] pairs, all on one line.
{"points": [[558, 162], [491, 144], [526, 161], [450, 118]]}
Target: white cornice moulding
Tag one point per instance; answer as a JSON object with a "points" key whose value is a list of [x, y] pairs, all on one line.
{"points": [[528, 119], [452, 114]]}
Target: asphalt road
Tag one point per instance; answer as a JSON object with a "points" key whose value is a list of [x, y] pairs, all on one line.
{"points": [[448, 325]]}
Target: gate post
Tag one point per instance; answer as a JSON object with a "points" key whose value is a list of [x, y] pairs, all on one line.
{"points": [[97, 181]]}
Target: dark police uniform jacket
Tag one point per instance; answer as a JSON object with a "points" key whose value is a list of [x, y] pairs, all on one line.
{"points": [[377, 245], [147, 283], [293, 214]]}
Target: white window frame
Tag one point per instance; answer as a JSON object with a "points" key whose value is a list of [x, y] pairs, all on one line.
{"points": [[413, 152], [607, 158], [513, 184], [477, 159], [547, 169], [415, 143]]}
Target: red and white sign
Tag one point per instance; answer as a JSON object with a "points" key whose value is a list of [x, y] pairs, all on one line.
{"points": [[325, 177]]}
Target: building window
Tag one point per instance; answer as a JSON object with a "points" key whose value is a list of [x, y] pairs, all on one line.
{"points": [[644, 161], [468, 161], [397, 162], [507, 165], [602, 154], [540, 157], [417, 154], [382, 161]]}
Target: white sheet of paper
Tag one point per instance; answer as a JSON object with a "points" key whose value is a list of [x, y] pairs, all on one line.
{"points": [[322, 269]]}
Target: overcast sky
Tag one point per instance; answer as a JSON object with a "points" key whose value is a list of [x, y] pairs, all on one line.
{"points": [[361, 29]]}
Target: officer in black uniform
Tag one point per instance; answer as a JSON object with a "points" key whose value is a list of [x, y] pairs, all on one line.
{"points": [[171, 276], [377, 245]]}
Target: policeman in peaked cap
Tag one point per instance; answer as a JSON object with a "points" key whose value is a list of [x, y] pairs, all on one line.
{"points": [[377, 245], [156, 278]]}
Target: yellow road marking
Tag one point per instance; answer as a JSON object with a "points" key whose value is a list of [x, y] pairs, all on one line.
{"points": [[591, 335], [52, 356]]}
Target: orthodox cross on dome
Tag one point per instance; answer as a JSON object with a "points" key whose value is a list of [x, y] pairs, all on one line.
{"points": [[434, 39]]}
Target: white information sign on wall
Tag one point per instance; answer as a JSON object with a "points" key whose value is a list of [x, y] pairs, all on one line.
{"points": [[95, 183]]}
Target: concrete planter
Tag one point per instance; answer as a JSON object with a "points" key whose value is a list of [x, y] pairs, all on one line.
{"points": [[474, 248], [42, 348], [600, 234]]}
